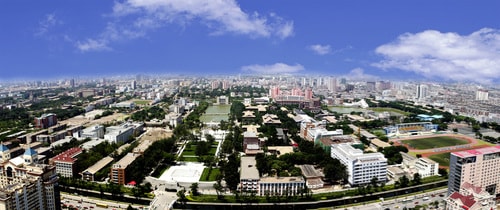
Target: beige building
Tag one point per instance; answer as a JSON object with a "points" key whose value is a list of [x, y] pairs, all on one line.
{"points": [[470, 197], [479, 167], [26, 184]]}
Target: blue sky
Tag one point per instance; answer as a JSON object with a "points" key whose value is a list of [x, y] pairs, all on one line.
{"points": [[410, 40]]}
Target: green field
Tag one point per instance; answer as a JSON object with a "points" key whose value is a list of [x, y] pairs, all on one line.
{"points": [[212, 176], [443, 159], [434, 142]]}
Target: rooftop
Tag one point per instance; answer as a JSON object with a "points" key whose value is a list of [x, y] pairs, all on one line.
{"points": [[68, 155], [249, 168], [309, 171], [476, 152], [281, 179], [99, 165], [125, 161]]}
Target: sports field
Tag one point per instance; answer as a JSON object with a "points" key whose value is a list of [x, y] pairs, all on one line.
{"points": [[434, 142], [443, 159]]}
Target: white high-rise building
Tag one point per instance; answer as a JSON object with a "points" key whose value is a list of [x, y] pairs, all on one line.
{"points": [[422, 91], [482, 95], [332, 84], [361, 168]]}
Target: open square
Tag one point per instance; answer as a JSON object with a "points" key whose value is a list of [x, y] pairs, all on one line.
{"points": [[188, 172]]}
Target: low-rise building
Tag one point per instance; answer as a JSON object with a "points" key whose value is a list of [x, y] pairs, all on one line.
{"points": [[249, 175], [117, 174], [88, 174], [470, 197], [314, 177], [281, 186], [361, 168], [65, 162]]}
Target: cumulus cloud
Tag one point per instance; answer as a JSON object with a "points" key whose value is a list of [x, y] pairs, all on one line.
{"points": [[137, 17], [451, 56], [320, 49], [48, 22], [277, 68], [92, 45], [359, 74]]}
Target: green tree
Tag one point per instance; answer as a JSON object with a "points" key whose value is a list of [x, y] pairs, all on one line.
{"points": [[194, 189], [404, 181], [417, 179]]}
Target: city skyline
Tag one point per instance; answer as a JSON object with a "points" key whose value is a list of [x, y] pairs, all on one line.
{"points": [[443, 41]]}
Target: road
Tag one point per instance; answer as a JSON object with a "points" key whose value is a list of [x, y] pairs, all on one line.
{"points": [[82, 201], [408, 202]]}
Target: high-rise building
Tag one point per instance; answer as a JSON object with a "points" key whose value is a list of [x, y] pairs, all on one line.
{"points": [[332, 84], [479, 167], [26, 184], [421, 91], [361, 168], [133, 85], [274, 92], [308, 94], [482, 95]]}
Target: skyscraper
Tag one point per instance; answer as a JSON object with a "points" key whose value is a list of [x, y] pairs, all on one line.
{"points": [[480, 167], [332, 84], [482, 95], [421, 91]]}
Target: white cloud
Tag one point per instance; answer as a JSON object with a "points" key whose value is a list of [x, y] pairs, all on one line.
{"points": [[359, 74], [277, 68], [320, 49], [474, 57], [48, 22], [134, 18], [92, 45]]}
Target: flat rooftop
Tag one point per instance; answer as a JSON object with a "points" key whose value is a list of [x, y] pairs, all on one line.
{"points": [[125, 161], [249, 168], [476, 152], [99, 165], [309, 171]]}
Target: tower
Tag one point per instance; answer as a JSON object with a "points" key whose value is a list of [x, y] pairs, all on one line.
{"points": [[30, 156], [4, 152]]}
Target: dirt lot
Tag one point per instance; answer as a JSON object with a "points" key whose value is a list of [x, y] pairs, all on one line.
{"points": [[155, 134], [87, 119]]}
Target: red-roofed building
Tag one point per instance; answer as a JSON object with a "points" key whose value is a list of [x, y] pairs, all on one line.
{"points": [[65, 162], [470, 197]]}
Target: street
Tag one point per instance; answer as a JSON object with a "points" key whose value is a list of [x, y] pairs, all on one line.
{"points": [[83, 202], [427, 198]]}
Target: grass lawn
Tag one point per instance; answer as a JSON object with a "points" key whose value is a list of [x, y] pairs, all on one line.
{"points": [[434, 142], [190, 159], [188, 152], [443, 159], [205, 176], [212, 151]]}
